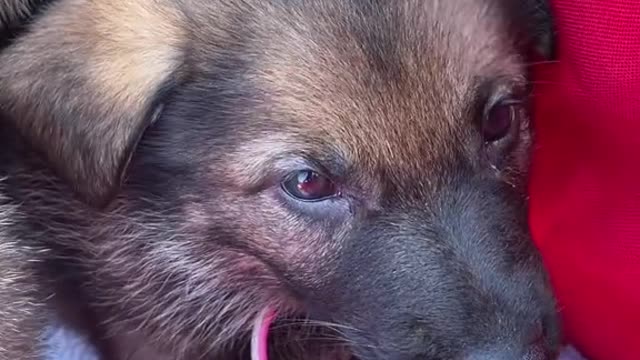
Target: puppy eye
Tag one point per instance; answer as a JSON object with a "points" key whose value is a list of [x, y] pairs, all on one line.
{"points": [[308, 185], [500, 119]]}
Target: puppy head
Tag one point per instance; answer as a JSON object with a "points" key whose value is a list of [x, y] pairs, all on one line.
{"points": [[359, 163]]}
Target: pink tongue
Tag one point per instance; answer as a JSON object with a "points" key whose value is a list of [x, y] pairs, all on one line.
{"points": [[260, 335]]}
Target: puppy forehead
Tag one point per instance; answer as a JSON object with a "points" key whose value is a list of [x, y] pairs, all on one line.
{"points": [[383, 81]]}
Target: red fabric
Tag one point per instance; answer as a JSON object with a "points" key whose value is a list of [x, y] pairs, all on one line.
{"points": [[585, 186]]}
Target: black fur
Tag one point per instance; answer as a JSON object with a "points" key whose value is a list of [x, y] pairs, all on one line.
{"points": [[15, 15]]}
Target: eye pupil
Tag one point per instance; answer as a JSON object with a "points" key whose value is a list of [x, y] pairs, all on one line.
{"points": [[498, 121], [308, 182], [306, 176], [309, 185]]}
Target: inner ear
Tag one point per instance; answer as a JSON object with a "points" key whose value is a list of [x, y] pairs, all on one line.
{"points": [[98, 200]]}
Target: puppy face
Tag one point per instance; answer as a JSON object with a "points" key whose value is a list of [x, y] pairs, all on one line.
{"points": [[358, 163]]}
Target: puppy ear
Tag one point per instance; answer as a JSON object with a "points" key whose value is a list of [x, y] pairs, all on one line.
{"points": [[539, 28], [87, 80]]}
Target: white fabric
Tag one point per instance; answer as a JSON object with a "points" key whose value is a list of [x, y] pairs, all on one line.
{"points": [[65, 344], [570, 353]]}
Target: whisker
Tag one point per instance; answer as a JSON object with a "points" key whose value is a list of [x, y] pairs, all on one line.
{"points": [[541, 62]]}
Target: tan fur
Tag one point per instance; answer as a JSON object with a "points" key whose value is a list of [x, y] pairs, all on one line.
{"points": [[136, 45]]}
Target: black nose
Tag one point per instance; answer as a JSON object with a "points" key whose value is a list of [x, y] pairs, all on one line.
{"points": [[533, 353], [536, 351]]}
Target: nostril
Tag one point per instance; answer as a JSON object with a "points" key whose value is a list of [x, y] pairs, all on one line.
{"points": [[533, 343], [534, 352], [537, 344], [536, 335], [537, 352], [537, 349]]}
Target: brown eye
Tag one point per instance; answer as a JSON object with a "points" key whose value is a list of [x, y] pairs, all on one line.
{"points": [[499, 120], [308, 185]]}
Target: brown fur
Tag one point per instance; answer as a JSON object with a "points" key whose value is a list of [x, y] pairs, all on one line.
{"points": [[174, 122]]}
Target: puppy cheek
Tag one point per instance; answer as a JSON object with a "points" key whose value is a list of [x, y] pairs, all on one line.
{"points": [[300, 247]]}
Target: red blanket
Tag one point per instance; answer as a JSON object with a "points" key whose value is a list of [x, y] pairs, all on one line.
{"points": [[585, 187]]}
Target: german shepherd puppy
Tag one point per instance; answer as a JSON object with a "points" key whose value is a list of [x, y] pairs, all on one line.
{"points": [[357, 167]]}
